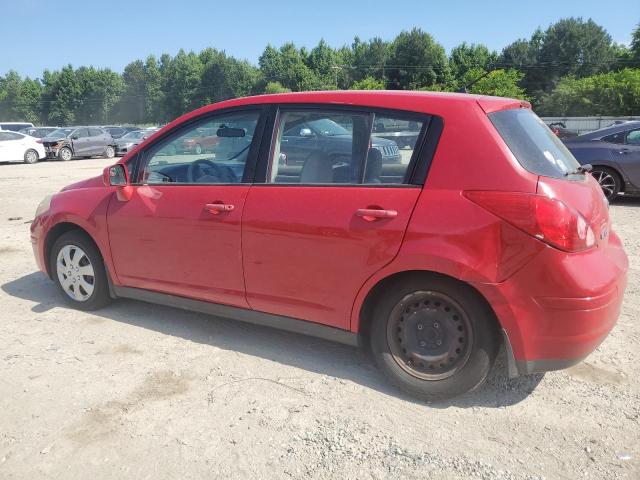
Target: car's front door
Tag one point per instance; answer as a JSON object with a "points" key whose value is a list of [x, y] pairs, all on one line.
{"points": [[180, 231], [312, 238], [81, 142], [628, 156]]}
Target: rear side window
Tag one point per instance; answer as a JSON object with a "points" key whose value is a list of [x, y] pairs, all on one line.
{"points": [[535, 147], [95, 132], [315, 146]]}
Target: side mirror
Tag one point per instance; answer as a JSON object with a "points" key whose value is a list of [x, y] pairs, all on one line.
{"points": [[117, 176], [74, 137], [306, 132]]}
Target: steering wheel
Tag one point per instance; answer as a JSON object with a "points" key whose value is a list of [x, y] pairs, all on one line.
{"points": [[196, 166]]}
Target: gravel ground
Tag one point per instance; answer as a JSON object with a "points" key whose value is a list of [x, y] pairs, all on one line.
{"points": [[144, 391]]}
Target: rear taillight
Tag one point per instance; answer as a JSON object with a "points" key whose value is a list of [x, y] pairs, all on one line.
{"points": [[542, 217]]}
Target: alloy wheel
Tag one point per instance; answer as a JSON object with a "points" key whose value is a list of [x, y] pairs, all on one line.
{"points": [[75, 273], [606, 181], [429, 335]]}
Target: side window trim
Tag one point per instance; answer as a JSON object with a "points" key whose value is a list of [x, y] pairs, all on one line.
{"points": [[249, 170], [417, 168]]}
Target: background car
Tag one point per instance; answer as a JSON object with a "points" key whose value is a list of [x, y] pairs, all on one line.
{"points": [[614, 153], [117, 131], [561, 131], [38, 132], [15, 126], [131, 139], [16, 146], [326, 135], [66, 143]]}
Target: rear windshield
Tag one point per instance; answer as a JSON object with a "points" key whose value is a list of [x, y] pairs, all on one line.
{"points": [[533, 144]]}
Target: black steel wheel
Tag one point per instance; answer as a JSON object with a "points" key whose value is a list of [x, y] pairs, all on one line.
{"points": [[429, 335], [434, 337]]}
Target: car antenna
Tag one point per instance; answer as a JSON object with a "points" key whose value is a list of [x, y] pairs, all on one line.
{"points": [[476, 80]]}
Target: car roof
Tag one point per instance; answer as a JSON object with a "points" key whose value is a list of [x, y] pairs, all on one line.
{"points": [[430, 102], [603, 132]]}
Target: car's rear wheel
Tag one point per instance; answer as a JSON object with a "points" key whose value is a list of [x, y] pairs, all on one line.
{"points": [[65, 154], [78, 271], [609, 181], [198, 149], [109, 152], [434, 337], [31, 156]]}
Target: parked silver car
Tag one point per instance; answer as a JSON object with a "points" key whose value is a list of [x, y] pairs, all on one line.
{"points": [[69, 142], [127, 142]]}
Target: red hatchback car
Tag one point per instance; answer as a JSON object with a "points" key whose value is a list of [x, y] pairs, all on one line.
{"points": [[487, 232]]}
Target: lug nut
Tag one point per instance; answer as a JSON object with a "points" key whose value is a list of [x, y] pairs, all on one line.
{"points": [[439, 342], [423, 344], [419, 326], [436, 325]]}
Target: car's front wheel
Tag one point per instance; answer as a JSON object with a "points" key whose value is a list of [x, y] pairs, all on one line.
{"points": [[434, 337], [78, 271], [110, 152], [31, 156], [65, 154], [609, 181]]}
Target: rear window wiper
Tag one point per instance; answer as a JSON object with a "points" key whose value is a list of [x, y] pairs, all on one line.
{"points": [[587, 167]]}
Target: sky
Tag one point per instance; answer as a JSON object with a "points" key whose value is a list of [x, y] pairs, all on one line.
{"points": [[42, 34]]}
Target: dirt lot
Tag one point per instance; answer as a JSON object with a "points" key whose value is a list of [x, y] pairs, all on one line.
{"points": [[143, 391]]}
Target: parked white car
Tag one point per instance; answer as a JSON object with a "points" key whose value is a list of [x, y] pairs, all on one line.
{"points": [[15, 146]]}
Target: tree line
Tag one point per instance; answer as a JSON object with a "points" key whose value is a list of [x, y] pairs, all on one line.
{"points": [[571, 68]]}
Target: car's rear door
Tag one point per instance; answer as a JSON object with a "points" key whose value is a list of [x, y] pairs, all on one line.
{"points": [[312, 238], [180, 231]]}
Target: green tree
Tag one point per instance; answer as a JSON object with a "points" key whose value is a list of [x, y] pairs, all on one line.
{"points": [[417, 60], [275, 87], [288, 66], [368, 83], [182, 83], [465, 57], [369, 59], [500, 83], [634, 48], [19, 99], [612, 93]]}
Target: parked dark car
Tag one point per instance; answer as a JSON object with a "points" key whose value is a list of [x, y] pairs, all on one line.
{"points": [[38, 132], [117, 131], [69, 142], [561, 131], [328, 136], [125, 143], [614, 153]]}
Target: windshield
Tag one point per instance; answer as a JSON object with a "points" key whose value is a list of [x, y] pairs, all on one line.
{"points": [[533, 144], [133, 135], [59, 133], [325, 126]]}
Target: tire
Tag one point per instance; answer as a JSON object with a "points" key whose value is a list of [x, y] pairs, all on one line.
{"points": [[110, 152], [434, 337], [609, 180], [198, 149], [31, 156], [88, 291], [65, 154]]}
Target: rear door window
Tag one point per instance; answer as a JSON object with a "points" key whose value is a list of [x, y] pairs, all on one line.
{"points": [[316, 146], [535, 147]]}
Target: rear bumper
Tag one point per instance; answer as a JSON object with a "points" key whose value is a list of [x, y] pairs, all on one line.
{"points": [[559, 308]]}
